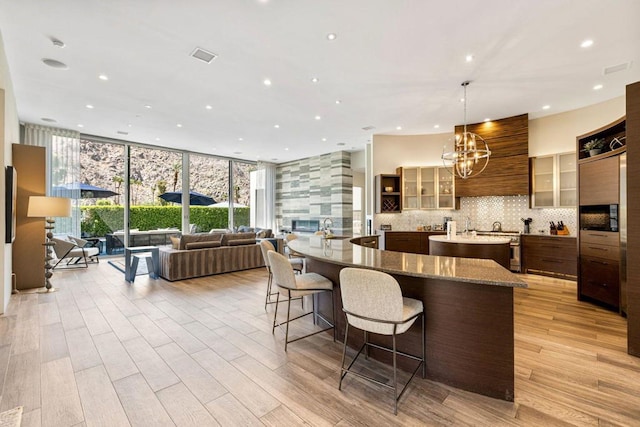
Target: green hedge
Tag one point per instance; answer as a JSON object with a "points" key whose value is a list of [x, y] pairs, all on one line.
{"points": [[101, 220]]}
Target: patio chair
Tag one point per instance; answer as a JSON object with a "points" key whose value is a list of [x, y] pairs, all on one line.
{"points": [[75, 252]]}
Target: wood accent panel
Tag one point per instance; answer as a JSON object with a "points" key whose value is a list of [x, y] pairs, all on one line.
{"points": [[508, 170], [600, 182], [500, 253], [415, 242], [633, 211], [468, 331], [28, 250], [549, 255]]}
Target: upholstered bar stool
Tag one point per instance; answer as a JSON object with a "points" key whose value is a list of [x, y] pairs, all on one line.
{"points": [[296, 263], [373, 302], [291, 286]]}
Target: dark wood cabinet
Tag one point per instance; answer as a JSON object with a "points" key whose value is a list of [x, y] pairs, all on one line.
{"points": [[549, 255], [600, 280], [600, 179], [600, 182], [415, 242], [388, 194]]}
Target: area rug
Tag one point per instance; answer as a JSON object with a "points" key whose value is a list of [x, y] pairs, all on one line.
{"points": [[11, 418], [119, 264]]}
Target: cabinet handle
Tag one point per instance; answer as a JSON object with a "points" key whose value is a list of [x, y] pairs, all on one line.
{"points": [[552, 260], [597, 235], [599, 262], [598, 249]]}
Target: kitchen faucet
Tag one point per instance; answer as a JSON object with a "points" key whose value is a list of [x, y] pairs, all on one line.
{"points": [[467, 225], [326, 225]]}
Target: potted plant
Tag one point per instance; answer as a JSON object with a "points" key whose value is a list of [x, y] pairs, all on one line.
{"points": [[594, 146]]}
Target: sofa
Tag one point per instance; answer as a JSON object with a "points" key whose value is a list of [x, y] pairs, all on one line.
{"points": [[204, 254]]}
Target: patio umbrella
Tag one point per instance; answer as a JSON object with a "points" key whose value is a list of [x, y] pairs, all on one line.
{"points": [[225, 204], [195, 198], [87, 191]]}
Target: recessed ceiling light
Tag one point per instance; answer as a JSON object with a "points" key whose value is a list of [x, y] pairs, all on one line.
{"points": [[398, 127], [208, 107], [179, 125], [103, 77], [597, 87], [157, 139], [53, 63], [587, 43], [89, 106], [324, 139], [266, 82], [47, 119], [80, 125], [331, 36], [468, 58], [130, 125], [338, 101], [148, 107], [286, 149], [317, 117], [240, 139], [315, 80], [436, 126], [546, 107], [276, 126]]}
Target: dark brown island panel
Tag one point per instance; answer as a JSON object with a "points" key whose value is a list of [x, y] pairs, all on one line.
{"points": [[468, 306]]}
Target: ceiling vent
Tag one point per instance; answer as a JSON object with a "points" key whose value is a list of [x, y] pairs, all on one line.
{"points": [[368, 128], [121, 132], [616, 68], [203, 55]]}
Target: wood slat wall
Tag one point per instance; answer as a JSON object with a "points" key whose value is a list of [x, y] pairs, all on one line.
{"points": [[508, 169], [633, 212]]}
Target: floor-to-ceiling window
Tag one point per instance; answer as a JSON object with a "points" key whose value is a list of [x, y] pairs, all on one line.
{"points": [[241, 193], [102, 200], [209, 176]]}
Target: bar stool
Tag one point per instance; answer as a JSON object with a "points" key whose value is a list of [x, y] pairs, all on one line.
{"points": [[292, 286], [373, 302], [296, 263]]}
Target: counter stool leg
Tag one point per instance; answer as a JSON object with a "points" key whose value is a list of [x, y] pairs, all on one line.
{"points": [[275, 314], [424, 353], [268, 297], [343, 373], [395, 375], [286, 334]]}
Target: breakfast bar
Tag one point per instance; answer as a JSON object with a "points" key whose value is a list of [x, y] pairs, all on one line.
{"points": [[468, 305]]}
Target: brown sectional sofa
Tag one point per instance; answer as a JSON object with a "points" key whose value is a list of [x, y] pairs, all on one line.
{"points": [[196, 255]]}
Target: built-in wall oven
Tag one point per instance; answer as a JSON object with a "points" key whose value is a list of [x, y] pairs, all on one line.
{"points": [[514, 257]]}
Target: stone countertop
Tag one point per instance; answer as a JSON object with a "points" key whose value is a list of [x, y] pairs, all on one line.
{"points": [[474, 240], [343, 252]]}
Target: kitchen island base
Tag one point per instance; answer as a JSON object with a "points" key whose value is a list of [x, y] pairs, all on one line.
{"points": [[468, 328]]}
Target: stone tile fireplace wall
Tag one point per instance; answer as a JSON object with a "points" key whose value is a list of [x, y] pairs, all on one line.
{"points": [[316, 188]]}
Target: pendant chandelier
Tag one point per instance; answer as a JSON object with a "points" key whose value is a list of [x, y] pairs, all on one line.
{"points": [[471, 153]]}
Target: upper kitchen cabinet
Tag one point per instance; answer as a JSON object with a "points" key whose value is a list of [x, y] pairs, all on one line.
{"points": [[508, 170], [388, 194], [427, 188], [553, 181]]}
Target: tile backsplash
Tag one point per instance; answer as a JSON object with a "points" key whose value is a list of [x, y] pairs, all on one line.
{"points": [[483, 212]]}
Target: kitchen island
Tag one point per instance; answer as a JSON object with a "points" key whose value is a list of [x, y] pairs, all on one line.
{"points": [[484, 247], [468, 306]]}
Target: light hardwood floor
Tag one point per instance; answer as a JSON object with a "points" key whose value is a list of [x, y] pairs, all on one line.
{"points": [[200, 352]]}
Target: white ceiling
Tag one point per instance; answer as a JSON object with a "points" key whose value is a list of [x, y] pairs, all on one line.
{"points": [[393, 63]]}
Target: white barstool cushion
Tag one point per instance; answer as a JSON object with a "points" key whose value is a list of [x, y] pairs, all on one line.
{"points": [[310, 281]]}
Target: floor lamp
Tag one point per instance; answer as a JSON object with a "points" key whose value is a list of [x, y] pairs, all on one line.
{"points": [[49, 208]]}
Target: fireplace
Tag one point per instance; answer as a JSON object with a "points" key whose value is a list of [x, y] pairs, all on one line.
{"points": [[305, 225]]}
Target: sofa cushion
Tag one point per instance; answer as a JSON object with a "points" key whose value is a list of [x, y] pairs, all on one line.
{"points": [[264, 233], [243, 238], [175, 241], [202, 245], [197, 238]]}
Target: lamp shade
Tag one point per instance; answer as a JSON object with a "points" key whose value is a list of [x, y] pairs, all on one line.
{"points": [[45, 206]]}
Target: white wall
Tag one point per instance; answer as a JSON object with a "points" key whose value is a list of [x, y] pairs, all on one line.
{"points": [[9, 133], [391, 151], [557, 133]]}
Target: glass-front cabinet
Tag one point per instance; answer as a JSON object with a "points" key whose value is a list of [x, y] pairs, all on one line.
{"points": [[554, 181], [426, 188]]}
